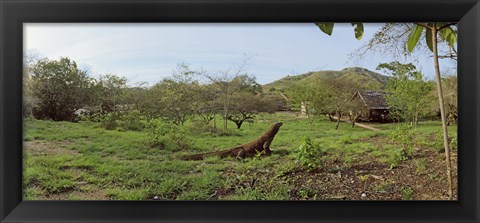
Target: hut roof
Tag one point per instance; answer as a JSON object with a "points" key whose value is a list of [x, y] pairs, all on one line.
{"points": [[372, 99]]}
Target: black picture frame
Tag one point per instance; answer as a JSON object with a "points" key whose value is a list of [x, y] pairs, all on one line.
{"points": [[13, 13]]}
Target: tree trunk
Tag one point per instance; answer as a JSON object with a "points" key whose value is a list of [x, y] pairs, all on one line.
{"points": [[442, 110], [215, 121], [225, 115], [225, 121], [339, 115], [330, 117], [239, 124], [225, 110]]}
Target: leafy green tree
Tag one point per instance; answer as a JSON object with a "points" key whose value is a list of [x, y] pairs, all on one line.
{"points": [[136, 95], [173, 99], [314, 96], [229, 82], [355, 108], [246, 105], [340, 93], [330, 97], [111, 94], [300, 94], [209, 104], [276, 101], [247, 83], [61, 89], [407, 92]]}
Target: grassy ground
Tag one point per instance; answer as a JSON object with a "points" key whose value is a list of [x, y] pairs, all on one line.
{"points": [[81, 161]]}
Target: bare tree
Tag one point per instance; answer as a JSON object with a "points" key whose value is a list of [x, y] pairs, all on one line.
{"points": [[246, 105], [228, 83], [30, 101]]}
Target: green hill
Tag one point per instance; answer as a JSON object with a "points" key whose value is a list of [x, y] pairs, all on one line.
{"points": [[364, 76]]}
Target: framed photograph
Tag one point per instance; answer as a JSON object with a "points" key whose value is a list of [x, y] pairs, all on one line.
{"points": [[156, 111]]}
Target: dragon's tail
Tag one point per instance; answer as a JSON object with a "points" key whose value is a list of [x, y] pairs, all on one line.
{"points": [[200, 156]]}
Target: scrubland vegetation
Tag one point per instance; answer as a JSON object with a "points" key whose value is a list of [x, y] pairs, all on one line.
{"points": [[104, 138], [310, 160]]}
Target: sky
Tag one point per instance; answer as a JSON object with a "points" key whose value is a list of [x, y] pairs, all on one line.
{"points": [[151, 52]]}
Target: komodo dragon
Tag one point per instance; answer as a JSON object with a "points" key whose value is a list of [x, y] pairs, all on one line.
{"points": [[260, 145]]}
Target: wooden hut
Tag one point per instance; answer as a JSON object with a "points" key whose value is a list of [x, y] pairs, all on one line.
{"points": [[371, 106]]}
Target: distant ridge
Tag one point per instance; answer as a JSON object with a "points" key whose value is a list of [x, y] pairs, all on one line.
{"points": [[366, 77]]}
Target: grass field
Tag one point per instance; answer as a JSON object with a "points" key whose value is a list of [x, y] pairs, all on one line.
{"points": [[83, 161]]}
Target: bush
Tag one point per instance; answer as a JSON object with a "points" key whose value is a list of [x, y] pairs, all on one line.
{"points": [[308, 154], [166, 135], [403, 135], [60, 88], [407, 193], [200, 127], [131, 121], [395, 156], [110, 121]]}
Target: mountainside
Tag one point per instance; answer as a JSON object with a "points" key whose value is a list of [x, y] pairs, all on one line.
{"points": [[364, 76]]}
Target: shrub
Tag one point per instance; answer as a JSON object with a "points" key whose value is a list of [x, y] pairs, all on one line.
{"points": [[395, 157], [407, 193], [200, 127], [60, 87], [166, 135], [308, 154], [131, 121], [436, 142], [403, 135], [110, 121]]}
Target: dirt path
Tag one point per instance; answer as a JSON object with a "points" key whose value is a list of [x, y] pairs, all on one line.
{"points": [[359, 124], [367, 127]]}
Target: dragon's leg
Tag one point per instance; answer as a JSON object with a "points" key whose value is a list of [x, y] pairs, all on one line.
{"points": [[241, 154], [266, 146]]}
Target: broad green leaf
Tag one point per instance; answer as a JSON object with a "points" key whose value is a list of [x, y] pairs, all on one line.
{"points": [[449, 35], [326, 27], [358, 30], [442, 33], [428, 39], [452, 39], [414, 37]]}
